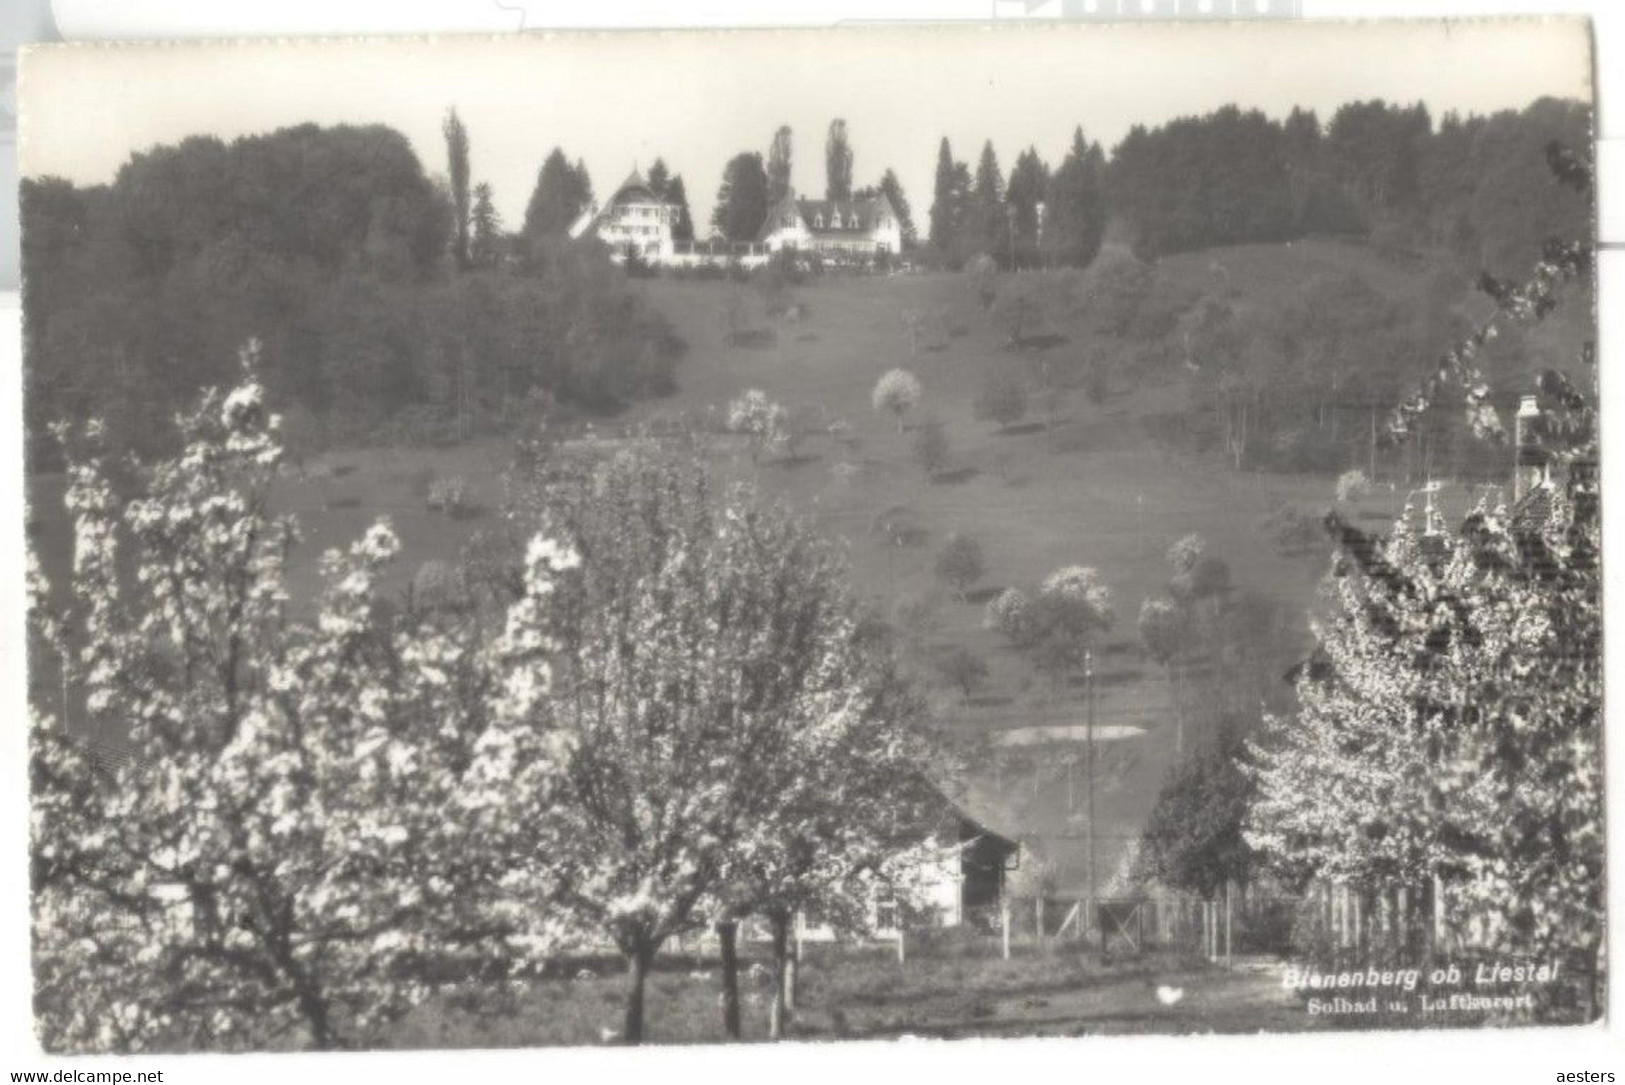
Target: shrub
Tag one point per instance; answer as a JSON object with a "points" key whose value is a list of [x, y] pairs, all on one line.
{"points": [[1012, 613], [766, 423], [960, 563], [1002, 398], [450, 495], [918, 616], [1096, 384], [1291, 530], [1352, 486], [437, 585], [419, 482], [1184, 554], [963, 669], [931, 446]]}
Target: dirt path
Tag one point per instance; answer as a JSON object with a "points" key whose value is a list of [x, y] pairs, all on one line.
{"points": [[1245, 998]]}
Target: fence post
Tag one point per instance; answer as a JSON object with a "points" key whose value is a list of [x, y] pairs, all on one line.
{"points": [[1228, 909], [1437, 934], [1402, 906]]}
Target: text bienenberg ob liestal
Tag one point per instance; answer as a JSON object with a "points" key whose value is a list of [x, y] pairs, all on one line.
{"points": [[1373, 990]]}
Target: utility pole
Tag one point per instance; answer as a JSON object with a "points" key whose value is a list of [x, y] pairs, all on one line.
{"points": [[1089, 783]]}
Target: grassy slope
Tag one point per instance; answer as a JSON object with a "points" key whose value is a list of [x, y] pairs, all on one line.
{"points": [[1084, 485], [1088, 487]]}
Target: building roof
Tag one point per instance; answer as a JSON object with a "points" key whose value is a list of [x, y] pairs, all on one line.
{"points": [[857, 217], [634, 185]]}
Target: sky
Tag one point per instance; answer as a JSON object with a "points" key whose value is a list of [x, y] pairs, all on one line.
{"points": [[696, 98]]}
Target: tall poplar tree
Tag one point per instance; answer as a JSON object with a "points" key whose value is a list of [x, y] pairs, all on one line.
{"points": [[778, 167], [837, 162], [457, 170]]}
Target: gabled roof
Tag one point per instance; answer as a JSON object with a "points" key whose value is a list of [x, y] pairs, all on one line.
{"points": [[634, 185], [856, 216]]}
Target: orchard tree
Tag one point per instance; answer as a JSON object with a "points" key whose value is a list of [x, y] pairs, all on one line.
{"points": [[1074, 609], [1022, 302], [1449, 727], [1446, 734], [897, 392], [960, 563], [1166, 634], [764, 422], [1115, 291], [704, 648], [1013, 613], [848, 807], [1002, 398], [963, 669], [282, 858], [931, 446]]}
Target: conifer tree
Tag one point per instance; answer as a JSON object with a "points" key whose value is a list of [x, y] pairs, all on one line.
{"points": [[1075, 206]]}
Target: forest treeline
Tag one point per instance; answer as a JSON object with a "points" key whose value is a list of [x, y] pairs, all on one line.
{"points": [[1474, 186], [392, 305], [337, 251]]}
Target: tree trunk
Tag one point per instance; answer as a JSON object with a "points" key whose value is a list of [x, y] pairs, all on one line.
{"points": [[1038, 920], [792, 965], [1177, 667], [638, 962], [1371, 469], [778, 1021], [728, 941]]}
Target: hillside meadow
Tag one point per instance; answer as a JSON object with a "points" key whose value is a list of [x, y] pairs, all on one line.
{"points": [[1080, 480]]}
